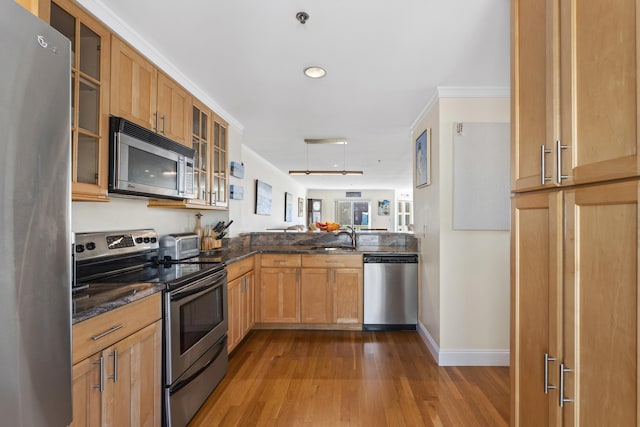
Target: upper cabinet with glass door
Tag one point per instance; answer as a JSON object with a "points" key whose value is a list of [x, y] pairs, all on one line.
{"points": [[575, 98], [90, 88], [219, 172], [210, 146]]}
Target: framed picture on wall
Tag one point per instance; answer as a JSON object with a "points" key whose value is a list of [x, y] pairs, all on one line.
{"points": [[300, 206], [263, 198], [423, 159], [288, 207]]}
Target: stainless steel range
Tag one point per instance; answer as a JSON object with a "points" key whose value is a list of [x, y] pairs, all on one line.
{"points": [[195, 306]]}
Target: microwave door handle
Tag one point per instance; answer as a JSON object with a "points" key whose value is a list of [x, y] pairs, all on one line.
{"points": [[181, 175]]}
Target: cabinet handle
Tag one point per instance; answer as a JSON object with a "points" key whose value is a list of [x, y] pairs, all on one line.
{"points": [[105, 333], [164, 124], [543, 152], [563, 400], [547, 359], [559, 148], [155, 126], [334, 276], [100, 386], [114, 377]]}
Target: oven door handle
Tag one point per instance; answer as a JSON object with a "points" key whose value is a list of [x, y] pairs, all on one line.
{"points": [[182, 383], [209, 282]]}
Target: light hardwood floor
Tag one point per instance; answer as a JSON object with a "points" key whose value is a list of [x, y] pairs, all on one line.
{"points": [[329, 378]]}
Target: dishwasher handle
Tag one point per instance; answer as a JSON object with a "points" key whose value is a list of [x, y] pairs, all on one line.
{"points": [[390, 259]]}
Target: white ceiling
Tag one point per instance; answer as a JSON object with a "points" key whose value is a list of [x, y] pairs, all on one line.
{"points": [[384, 61]]}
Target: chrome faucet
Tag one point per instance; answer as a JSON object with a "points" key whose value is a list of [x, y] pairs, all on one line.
{"points": [[351, 232]]}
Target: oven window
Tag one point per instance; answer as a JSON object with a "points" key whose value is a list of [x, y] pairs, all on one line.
{"points": [[149, 169], [199, 316]]}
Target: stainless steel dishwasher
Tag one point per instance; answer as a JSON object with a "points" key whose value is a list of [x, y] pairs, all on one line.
{"points": [[390, 292]]}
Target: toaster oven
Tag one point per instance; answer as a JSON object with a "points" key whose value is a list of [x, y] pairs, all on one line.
{"points": [[179, 246]]}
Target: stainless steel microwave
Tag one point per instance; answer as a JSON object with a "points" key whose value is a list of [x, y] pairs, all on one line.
{"points": [[144, 163]]}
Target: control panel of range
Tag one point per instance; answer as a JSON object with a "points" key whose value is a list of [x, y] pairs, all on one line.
{"points": [[108, 243]]}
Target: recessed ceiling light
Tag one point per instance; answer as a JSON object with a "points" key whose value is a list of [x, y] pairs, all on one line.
{"points": [[315, 72]]}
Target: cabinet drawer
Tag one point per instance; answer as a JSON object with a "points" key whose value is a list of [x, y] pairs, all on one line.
{"points": [[329, 261], [239, 268], [280, 260], [97, 333]]}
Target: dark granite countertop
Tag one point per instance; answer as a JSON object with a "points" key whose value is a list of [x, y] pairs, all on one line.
{"points": [[229, 256], [102, 297]]}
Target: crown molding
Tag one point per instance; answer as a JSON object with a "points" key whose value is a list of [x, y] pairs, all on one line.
{"points": [[123, 30], [474, 92]]}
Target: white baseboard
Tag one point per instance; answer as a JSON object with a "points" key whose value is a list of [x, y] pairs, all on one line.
{"points": [[462, 357]]}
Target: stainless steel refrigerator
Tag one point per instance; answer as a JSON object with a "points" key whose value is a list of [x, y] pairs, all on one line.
{"points": [[35, 241]]}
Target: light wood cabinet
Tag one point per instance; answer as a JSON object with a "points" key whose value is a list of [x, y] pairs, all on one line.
{"points": [[280, 288], [347, 296], [144, 95], [574, 93], [119, 382], [311, 291], [316, 295], [90, 41], [241, 300], [575, 298], [331, 289], [39, 8], [536, 280]]}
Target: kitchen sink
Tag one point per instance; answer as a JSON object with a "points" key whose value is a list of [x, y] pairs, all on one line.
{"points": [[333, 248]]}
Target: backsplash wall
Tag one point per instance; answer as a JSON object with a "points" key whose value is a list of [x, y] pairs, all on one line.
{"points": [[132, 213]]}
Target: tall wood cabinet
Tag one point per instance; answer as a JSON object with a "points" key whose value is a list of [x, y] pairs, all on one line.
{"points": [[574, 343], [575, 306], [90, 44], [146, 96], [574, 92]]}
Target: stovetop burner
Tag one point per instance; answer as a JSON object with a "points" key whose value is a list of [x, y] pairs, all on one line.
{"points": [[125, 257]]}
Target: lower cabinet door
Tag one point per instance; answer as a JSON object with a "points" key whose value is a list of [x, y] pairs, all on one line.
{"points": [[248, 304], [347, 295], [279, 295], [133, 379], [315, 295], [234, 321], [87, 394]]}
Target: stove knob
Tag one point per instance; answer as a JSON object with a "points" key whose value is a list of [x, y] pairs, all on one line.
{"points": [[146, 240], [153, 240], [79, 248], [138, 239], [91, 246]]}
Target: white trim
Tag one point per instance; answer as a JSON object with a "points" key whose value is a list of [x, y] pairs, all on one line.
{"points": [[474, 92], [462, 357], [124, 31], [428, 340], [461, 92], [474, 358], [427, 108]]}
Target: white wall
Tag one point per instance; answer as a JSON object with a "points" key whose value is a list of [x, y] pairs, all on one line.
{"points": [[329, 198], [243, 211], [470, 324]]}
